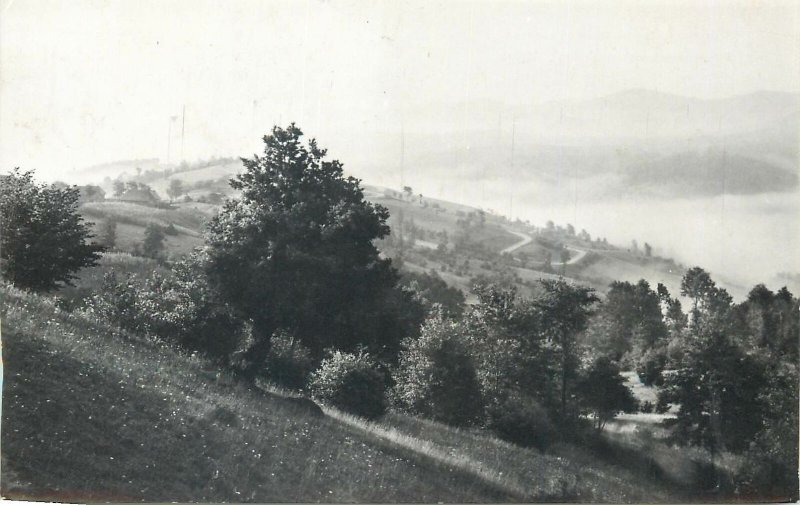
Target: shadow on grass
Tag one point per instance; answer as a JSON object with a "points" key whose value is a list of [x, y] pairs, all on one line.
{"points": [[687, 478]]}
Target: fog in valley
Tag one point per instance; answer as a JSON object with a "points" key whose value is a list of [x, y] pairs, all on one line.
{"points": [[674, 123], [400, 251]]}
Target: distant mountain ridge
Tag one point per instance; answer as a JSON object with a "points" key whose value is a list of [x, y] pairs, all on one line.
{"points": [[712, 173], [633, 140], [651, 114], [632, 113]]}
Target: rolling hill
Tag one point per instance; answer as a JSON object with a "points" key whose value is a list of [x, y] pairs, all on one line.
{"points": [[471, 239]]}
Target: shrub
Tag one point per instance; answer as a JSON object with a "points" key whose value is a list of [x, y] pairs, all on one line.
{"points": [[436, 376], [520, 419], [108, 233], [153, 243], [352, 383], [662, 405], [289, 362], [647, 407], [117, 302], [650, 366], [179, 308]]}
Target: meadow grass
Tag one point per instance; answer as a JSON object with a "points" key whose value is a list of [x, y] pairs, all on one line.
{"points": [[130, 236], [186, 220], [564, 473], [492, 236], [91, 413]]}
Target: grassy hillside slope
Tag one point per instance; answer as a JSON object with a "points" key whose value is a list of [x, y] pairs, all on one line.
{"points": [[132, 219], [90, 413], [433, 222], [187, 220], [93, 413], [436, 222]]}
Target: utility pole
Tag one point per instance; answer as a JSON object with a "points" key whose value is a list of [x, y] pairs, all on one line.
{"points": [[183, 129], [172, 119], [513, 135], [402, 154], [169, 139]]}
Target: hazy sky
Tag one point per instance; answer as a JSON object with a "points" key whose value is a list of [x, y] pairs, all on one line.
{"points": [[90, 81]]}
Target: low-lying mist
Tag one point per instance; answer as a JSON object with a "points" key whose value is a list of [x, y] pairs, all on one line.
{"points": [[740, 239]]}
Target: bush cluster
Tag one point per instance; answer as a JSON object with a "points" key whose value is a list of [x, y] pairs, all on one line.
{"points": [[436, 377], [650, 365], [180, 308], [352, 383], [289, 362], [520, 419]]}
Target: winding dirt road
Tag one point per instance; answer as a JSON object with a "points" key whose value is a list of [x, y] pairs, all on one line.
{"points": [[527, 239]]}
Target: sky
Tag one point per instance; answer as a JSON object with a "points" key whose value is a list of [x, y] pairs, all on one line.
{"points": [[90, 81]]}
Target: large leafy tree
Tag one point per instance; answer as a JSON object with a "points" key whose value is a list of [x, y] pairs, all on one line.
{"points": [[612, 329], [43, 239], [433, 291], [769, 322], [602, 391], [674, 317], [505, 337], [564, 310], [175, 189], [771, 468], [766, 326], [735, 382], [710, 303], [717, 388], [629, 320], [295, 252]]}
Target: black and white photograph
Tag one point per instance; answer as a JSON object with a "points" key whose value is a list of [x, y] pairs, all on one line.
{"points": [[399, 251]]}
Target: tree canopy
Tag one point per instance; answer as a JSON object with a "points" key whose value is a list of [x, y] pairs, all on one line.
{"points": [[295, 252], [153, 243], [175, 189], [44, 240], [603, 392], [564, 311]]}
